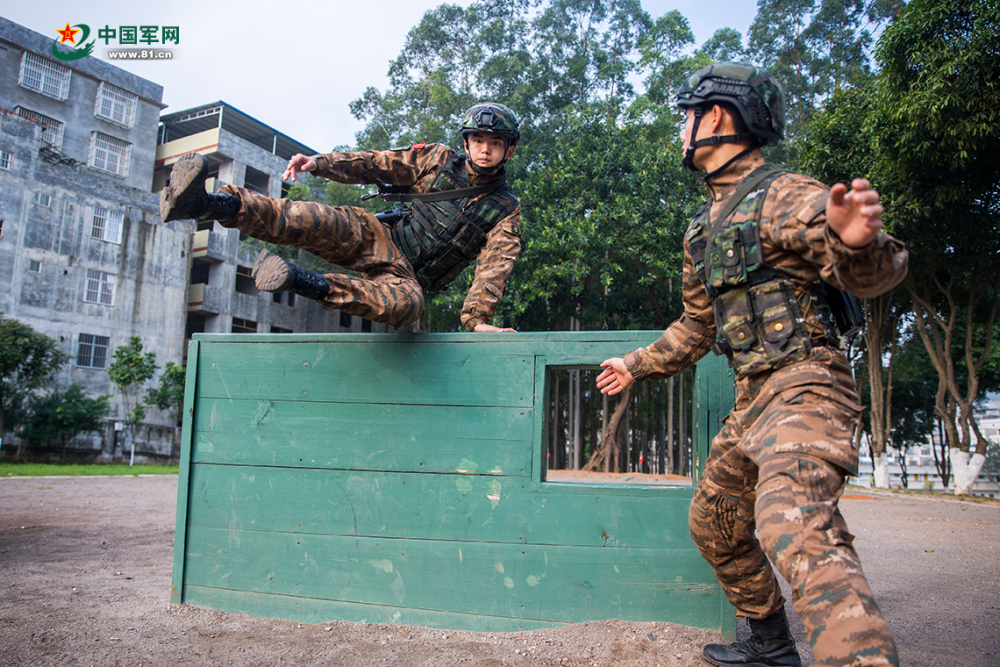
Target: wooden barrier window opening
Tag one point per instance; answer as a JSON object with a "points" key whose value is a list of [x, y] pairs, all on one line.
{"points": [[593, 438]]}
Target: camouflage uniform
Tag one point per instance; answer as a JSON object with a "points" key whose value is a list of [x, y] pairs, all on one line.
{"points": [[354, 239], [778, 465]]}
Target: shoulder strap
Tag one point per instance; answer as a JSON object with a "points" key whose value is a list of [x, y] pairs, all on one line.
{"points": [[756, 177], [445, 195]]}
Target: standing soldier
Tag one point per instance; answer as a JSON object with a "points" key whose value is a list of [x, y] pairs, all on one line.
{"points": [[764, 261], [462, 211]]}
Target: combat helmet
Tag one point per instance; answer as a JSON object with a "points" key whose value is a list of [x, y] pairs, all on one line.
{"points": [[755, 94], [491, 118]]}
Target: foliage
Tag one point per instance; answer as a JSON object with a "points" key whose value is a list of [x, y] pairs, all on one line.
{"points": [[934, 125], [129, 370], [28, 360], [814, 47], [169, 395], [62, 415]]}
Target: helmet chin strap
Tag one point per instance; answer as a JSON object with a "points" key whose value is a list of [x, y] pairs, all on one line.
{"points": [[688, 161]]}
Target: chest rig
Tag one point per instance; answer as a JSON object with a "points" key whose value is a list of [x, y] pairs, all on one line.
{"points": [[442, 236], [759, 319]]}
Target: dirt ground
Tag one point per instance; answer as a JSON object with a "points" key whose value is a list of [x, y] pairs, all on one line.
{"points": [[85, 568]]}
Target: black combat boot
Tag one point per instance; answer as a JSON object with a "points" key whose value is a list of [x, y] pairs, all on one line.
{"points": [[185, 198], [770, 645], [273, 274]]}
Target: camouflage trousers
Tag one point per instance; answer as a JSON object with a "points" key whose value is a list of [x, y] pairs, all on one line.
{"points": [[350, 237], [776, 472]]}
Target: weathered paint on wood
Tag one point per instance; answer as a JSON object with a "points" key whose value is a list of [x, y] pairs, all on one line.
{"points": [[401, 479]]}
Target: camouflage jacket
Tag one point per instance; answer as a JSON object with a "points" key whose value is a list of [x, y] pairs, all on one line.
{"points": [[795, 239], [417, 167]]}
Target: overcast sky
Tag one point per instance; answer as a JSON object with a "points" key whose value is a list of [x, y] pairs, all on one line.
{"points": [[297, 68]]}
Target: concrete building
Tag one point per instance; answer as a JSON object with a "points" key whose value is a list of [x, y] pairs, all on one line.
{"points": [[222, 297], [84, 257]]}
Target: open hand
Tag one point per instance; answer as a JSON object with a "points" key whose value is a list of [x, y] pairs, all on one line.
{"points": [[297, 164], [855, 215], [615, 377]]}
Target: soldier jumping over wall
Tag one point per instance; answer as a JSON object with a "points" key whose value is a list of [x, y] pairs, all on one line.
{"points": [[764, 263], [462, 211]]}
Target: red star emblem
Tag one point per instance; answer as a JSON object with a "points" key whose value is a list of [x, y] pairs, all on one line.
{"points": [[68, 34]]}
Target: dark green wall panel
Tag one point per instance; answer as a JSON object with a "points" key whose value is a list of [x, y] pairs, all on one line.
{"points": [[395, 479]]}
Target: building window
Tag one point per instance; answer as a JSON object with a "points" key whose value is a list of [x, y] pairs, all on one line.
{"points": [[107, 225], [345, 320], [366, 326], [276, 297], [93, 351], [44, 200], [44, 76], [244, 326], [245, 282], [34, 267], [52, 129], [116, 104], [109, 154], [290, 302], [100, 288], [275, 329], [6, 160]]}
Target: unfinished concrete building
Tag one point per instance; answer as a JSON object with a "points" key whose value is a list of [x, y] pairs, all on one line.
{"points": [[222, 297], [84, 257]]}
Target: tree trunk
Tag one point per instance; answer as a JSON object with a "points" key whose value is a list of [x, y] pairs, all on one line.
{"points": [[880, 470], [966, 470], [609, 453], [879, 325], [953, 406]]}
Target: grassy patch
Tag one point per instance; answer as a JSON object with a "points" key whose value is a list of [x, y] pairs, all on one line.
{"points": [[82, 469]]}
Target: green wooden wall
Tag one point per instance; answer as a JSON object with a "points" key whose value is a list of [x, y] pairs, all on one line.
{"points": [[401, 479]]}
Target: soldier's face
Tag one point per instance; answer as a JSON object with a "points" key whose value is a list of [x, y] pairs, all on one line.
{"points": [[487, 150]]}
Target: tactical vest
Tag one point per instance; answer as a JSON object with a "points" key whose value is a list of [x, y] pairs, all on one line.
{"points": [[441, 238], [759, 320]]}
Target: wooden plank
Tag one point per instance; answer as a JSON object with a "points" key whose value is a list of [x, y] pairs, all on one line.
{"points": [[388, 373], [312, 610], [183, 478], [714, 398], [443, 507], [421, 438], [547, 583]]}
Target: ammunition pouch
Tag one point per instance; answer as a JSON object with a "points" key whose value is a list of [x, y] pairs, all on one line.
{"points": [[759, 320]]}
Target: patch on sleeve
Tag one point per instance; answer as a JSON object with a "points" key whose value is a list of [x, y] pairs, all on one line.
{"points": [[408, 147], [515, 229], [813, 209]]}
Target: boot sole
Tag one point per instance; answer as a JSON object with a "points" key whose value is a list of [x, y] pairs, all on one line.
{"points": [[187, 182], [271, 273]]}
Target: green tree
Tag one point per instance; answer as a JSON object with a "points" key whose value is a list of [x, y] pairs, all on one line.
{"points": [[814, 47], [129, 370], [62, 415], [169, 395], [28, 360], [935, 127]]}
